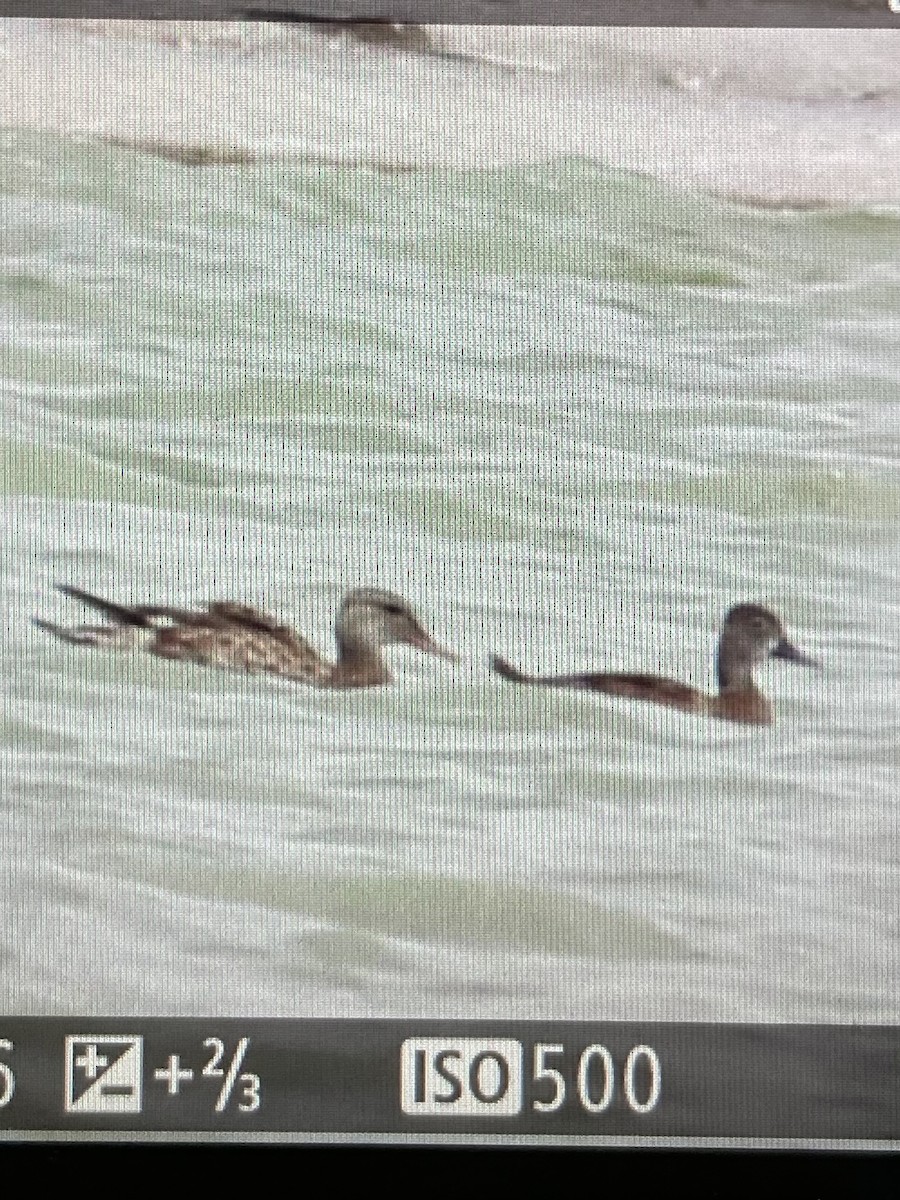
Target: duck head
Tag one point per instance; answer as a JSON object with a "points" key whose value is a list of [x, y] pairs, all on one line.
{"points": [[750, 635], [374, 618]]}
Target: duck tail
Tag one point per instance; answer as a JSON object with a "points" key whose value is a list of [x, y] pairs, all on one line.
{"points": [[102, 637], [501, 667], [121, 614]]}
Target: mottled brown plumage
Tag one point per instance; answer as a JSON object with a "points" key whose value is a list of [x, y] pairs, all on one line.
{"points": [[240, 638], [750, 634]]}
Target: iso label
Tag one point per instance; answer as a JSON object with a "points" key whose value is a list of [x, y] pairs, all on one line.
{"points": [[471, 1077], [475, 1077]]}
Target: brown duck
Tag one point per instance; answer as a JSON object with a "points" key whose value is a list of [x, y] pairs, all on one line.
{"points": [[240, 638], [750, 635]]}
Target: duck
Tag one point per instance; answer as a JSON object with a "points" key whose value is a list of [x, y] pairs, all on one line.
{"points": [[750, 634], [239, 637]]}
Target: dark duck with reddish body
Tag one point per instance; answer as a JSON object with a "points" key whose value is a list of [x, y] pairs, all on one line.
{"points": [[750, 635]]}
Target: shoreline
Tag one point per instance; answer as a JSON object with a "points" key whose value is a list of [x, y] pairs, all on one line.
{"points": [[860, 14]]}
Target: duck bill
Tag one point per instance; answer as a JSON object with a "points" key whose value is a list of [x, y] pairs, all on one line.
{"points": [[422, 641], [789, 653]]}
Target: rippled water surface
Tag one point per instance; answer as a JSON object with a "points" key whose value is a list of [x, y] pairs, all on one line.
{"points": [[573, 411]]}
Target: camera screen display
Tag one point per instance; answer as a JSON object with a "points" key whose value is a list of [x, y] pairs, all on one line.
{"points": [[451, 489]]}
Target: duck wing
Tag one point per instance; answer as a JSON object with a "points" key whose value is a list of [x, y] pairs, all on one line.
{"points": [[221, 634], [242, 646], [216, 614], [241, 616], [654, 689], [239, 637]]}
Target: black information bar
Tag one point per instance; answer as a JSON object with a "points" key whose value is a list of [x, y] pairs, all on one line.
{"points": [[437, 1078]]}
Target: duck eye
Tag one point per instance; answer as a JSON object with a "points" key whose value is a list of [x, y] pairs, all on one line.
{"points": [[394, 609]]}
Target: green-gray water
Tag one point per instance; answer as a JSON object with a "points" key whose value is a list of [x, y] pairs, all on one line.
{"points": [[573, 413]]}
